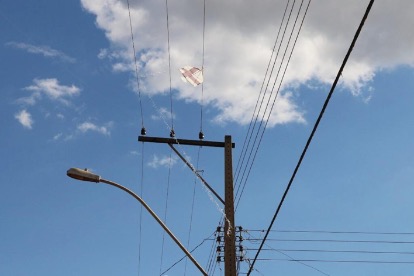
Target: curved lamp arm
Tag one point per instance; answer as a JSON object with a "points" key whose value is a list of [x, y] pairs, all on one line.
{"points": [[86, 175]]}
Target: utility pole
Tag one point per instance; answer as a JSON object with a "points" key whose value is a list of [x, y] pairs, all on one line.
{"points": [[229, 226]]}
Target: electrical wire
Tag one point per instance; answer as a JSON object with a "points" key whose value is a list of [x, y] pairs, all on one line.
{"points": [[192, 208], [274, 98], [338, 261], [166, 208], [172, 134], [254, 116], [264, 113], [333, 232], [336, 241], [184, 257], [211, 256], [136, 66], [141, 191], [283, 253], [202, 71], [142, 132], [335, 251], [314, 129]]}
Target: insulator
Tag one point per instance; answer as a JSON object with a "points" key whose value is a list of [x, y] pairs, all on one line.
{"points": [[219, 229], [219, 249], [218, 239], [172, 133], [201, 135], [143, 131], [240, 228], [219, 259]]}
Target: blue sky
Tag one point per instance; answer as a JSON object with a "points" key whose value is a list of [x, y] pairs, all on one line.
{"points": [[70, 99]]}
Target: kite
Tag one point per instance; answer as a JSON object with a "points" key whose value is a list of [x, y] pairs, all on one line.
{"points": [[192, 75]]}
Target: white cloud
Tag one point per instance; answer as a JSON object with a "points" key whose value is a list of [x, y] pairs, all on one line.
{"points": [[163, 114], [88, 126], [238, 44], [52, 89], [57, 136], [46, 51], [30, 100], [162, 161], [121, 67], [24, 118]]}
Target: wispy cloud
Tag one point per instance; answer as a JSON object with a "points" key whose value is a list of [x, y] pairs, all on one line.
{"points": [[163, 114], [162, 161], [24, 118], [88, 126], [57, 136], [52, 89], [135, 153], [46, 51]]}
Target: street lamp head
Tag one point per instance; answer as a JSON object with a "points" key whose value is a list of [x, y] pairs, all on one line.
{"points": [[83, 175]]}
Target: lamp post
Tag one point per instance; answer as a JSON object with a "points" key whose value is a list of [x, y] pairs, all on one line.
{"points": [[85, 175]]}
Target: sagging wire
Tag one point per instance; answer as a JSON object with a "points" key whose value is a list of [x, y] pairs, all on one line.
{"points": [[172, 132], [201, 134], [184, 257], [143, 131], [261, 96], [192, 208], [275, 97], [314, 128], [166, 208]]}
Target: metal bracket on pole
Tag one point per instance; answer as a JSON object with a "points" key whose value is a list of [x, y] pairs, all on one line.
{"points": [[229, 226], [196, 173]]}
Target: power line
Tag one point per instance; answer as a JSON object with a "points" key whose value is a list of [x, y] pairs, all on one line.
{"points": [[172, 133], [277, 93], [166, 208], [333, 240], [254, 118], [335, 251], [314, 130], [333, 232], [256, 115], [290, 257], [338, 261], [192, 207], [177, 262], [140, 210], [136, 70], [201, 135]]}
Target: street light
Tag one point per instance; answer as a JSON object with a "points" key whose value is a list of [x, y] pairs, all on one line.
{"points": [[86, 175]]}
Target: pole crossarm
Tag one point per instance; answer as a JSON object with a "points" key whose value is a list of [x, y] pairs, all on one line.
{"points": [[196, 173], [175, 141]]}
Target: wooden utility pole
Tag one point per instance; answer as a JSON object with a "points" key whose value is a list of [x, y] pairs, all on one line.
{"points": [[229, 226]]}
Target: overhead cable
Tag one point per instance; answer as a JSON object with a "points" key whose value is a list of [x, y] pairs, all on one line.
{"points": [[136, 70], [172, 132], [314, 129], [254, 116], [261, 129]]}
